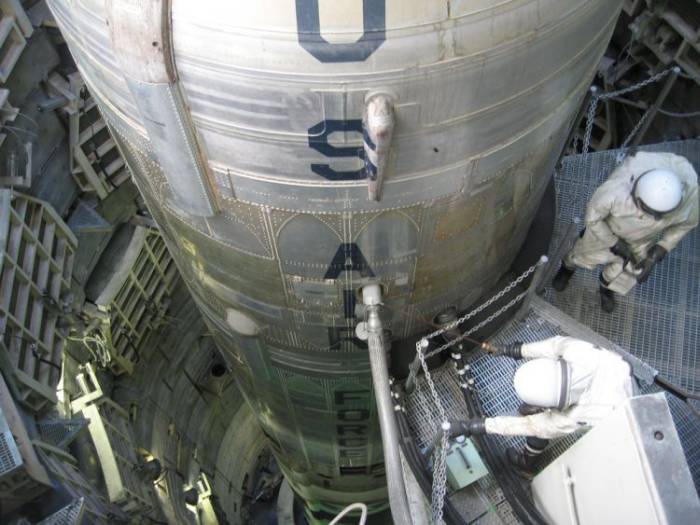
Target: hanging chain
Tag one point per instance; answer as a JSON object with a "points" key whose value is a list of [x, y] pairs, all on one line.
{"points": [[593, 107], [439, 488], [622, 153]]}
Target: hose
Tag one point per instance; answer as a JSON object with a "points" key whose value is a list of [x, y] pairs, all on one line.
{"points": [[390, 433], [678, 392], [353, 506], [371, 296]]}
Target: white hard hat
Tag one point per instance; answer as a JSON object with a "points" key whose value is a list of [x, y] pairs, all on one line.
{"points": [[543, 383], [659, 190]]}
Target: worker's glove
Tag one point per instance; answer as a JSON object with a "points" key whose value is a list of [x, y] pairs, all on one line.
{"points": [[469, 427], [622, 249], [654, 256]]}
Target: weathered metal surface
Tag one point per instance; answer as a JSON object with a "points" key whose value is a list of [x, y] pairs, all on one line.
{"points": [[131, 291], [96, 164], [110, 430], [36, 260], [275, 91]]}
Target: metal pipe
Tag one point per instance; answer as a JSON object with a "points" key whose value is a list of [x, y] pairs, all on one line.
{"points": [[371, 296], [657, 105], [534, 285], [414, 494]]}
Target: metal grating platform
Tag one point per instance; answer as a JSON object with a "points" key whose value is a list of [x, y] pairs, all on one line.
{"points": [[71, 514]]}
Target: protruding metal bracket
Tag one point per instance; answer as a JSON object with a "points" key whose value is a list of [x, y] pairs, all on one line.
{"points": [[377, 130]]}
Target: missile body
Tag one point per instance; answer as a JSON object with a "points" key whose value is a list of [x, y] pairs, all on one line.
{"points": [[246, 126]]}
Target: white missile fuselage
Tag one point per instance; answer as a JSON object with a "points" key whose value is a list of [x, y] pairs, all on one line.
{"points": [[242, 124]]}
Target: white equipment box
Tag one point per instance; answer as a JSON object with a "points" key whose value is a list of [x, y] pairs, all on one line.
{"points": [[628, 469]]}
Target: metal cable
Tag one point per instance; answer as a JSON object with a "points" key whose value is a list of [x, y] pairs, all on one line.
{"points": [[387, 425], [679, 115]]}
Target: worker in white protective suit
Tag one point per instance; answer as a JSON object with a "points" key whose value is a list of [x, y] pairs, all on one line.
{"points": [[568, 385], [644, 209]]}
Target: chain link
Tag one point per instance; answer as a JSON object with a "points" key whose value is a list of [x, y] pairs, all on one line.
{"points": [[484, 305], [593, 107], [477, 327], [439, 468], [439, 489], [622, 153]]}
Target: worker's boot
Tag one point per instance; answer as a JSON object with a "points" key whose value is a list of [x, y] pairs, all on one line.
{"points": [[523, 460], [607, 300], [562, 278], [607, 296], [522, 463]]}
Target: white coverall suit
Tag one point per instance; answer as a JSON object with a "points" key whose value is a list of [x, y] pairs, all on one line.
{"points": [[612, 214], [600, 381]]}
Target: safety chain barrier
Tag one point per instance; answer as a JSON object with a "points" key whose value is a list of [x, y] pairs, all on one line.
{"points": [[478, 326], [484, 305], [439, 488], [597, 97]]}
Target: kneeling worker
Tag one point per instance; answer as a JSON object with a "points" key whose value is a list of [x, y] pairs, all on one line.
{"points": [[568, 385], [647, 205]]}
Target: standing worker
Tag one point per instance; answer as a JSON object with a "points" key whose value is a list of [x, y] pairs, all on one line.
{"points": [[647, 205], [568, 385]]}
